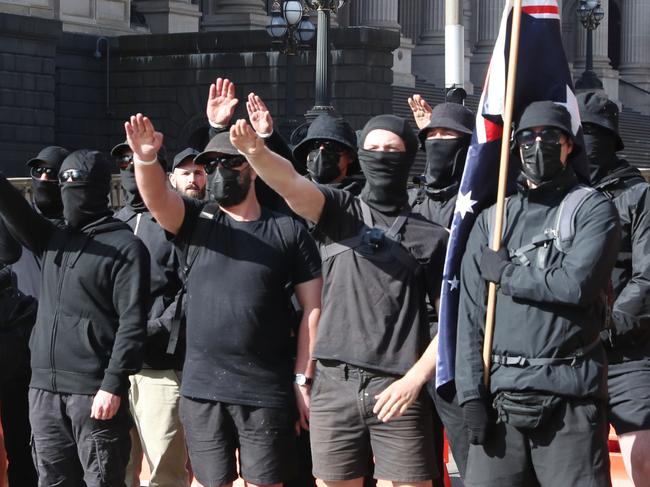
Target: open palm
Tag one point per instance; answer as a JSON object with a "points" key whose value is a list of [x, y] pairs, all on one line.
{"points": [[221, 102]]}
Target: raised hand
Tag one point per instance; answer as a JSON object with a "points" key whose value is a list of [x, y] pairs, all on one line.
{"points": [[221, 102], [142, 137], [421, 111], [259, 114], [244, 138]]}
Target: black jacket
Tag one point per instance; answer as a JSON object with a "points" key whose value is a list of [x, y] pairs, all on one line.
{"points": [[165, 284], [90, 326], [435, 205], [630, 333], [548, 312]]}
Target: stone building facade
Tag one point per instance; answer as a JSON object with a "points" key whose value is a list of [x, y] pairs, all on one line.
{"points": [[72, 70]]}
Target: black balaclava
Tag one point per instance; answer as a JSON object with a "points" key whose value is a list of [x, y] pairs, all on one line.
{"points": [[600, 146], [86, 201], [230, 186], [387, 173], [445, 161], [132, 196], [541, 162], [47, 198], [323, 166]]}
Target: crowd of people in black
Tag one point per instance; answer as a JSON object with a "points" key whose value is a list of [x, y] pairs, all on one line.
{"points": [[270, 312]]}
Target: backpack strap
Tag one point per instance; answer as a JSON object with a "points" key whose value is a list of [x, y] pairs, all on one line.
{"points": [[565, 226]]}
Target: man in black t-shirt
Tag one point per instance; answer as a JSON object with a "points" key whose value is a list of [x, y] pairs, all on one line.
{"points": [[380, 261], [241, 261]]}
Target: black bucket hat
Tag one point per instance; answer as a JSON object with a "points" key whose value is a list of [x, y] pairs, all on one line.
{"points": [[52, 156], [326, 127], [599, 110], [219, 145], [449, 116], [548, 114]]}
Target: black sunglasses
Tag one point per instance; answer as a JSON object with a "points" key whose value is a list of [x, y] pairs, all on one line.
{"points": [[37, 172], [228, 162], [124, 161], [526, 138], [72, 175], [328, 146]]}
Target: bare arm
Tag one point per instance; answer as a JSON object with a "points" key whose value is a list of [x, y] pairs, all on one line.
{"points": [[164, 203], [302, 196], [308, 294]]}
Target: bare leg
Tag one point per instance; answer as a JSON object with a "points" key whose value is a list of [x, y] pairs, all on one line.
{"points": [[635, 448], [340, 483], [390, 483]]}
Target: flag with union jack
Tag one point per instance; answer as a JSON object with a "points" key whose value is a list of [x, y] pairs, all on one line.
{"points": [[542, 74]]}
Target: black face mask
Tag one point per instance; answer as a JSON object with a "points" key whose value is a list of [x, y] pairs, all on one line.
{"points": [[83, 203], [387, 175], [541, 162], [132, 196], [445, 161], [47, 198], [323, 166], [601, 153], [230, 187]]}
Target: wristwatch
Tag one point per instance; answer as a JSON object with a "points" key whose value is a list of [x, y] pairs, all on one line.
{"points": [[302, 380]]}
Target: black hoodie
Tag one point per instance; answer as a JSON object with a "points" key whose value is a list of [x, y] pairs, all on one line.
{"points": [[90, 326]]}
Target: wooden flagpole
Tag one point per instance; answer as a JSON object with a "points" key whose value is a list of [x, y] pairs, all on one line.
{"points": [[503, 181]]}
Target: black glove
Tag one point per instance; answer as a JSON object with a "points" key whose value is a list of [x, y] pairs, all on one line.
{"points": [[476, 417], [493, 263]]}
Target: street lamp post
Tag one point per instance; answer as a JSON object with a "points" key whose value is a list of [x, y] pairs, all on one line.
{"points": [[290, 28], [590, 14], [322, 102]]}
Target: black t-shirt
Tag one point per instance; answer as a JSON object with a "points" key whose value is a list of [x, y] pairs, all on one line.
{"points": [[374, 314], [238, 310]]}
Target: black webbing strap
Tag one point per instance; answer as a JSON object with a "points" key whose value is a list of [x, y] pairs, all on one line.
{"points": [[520, 361], [538, 240]]}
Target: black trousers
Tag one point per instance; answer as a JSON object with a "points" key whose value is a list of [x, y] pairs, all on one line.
{"points": [[14, 411], [73, 450], [569, 449]]}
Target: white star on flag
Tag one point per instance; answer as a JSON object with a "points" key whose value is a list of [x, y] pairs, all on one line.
{"points": [[453, 283], [464, 204]]}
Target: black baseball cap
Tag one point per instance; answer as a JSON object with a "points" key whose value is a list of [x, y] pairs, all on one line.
{"points": [[183, 156], [51, 156]]}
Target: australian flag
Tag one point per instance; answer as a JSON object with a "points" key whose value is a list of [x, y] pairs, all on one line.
{"points": [[542, 74]]}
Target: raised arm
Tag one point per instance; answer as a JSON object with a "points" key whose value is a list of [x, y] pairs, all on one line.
{"points": [[23, 222], [164, 203], [302, 196], [262, 122]]}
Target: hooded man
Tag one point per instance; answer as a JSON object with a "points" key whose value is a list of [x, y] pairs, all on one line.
{"points": [[548, 377], [155, 391], [90, 326], [241, 261], [445, 140], [627, 339], [329, 152], [373, 347]]}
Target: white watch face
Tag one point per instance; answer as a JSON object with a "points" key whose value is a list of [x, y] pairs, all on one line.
{"points": [[301, 379]]}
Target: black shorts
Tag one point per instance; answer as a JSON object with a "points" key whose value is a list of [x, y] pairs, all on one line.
{"points": [[629, 396], [214, 431], [569, 449], [345, 434]]}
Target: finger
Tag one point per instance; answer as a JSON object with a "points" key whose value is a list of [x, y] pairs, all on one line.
{"points": [[253, 99], [226, 87], [148, 126], [233, 103], [231, 90], [381, 400], [261, 103], [218, 87], [426, 106], [412, 105], [249, 109], [304, 423], [128, 130], [212, 93]]}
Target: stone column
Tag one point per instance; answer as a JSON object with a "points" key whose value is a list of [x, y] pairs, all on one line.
{"points": [[489, 20], [374, 13], [635, 43], [429, 53], [170, 16], [235, 15]]}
